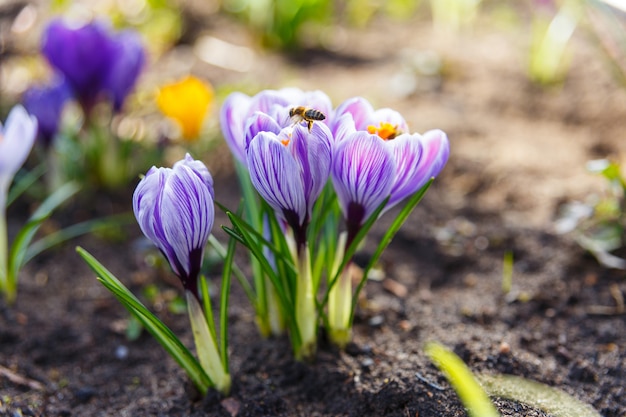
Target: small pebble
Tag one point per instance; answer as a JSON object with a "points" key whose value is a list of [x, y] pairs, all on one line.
{"points": [[376, 321], [121, 352]]}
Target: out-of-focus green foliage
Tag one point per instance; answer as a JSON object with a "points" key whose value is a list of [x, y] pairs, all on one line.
{"points": [[284, 23], [550, 35], [599, 224]]}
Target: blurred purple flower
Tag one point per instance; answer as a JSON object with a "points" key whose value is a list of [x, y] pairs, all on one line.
{"points": [[238, 108], [96, 63], [46, 103], [289, 170], [174, 208], [16, 140]]}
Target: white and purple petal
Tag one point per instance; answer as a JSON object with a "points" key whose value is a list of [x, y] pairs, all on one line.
{"points": [[419, 158], [257, 123], [360, 109], [276, 176], [233, 115], [363, 173], [16, 141], [313, 152]]}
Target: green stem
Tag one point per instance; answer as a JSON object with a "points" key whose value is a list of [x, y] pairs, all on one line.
{"points": [[306, 312], [340, 299], [206, 345], [5, 282]]}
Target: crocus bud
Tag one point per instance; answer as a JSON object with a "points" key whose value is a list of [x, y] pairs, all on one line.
{"points": [[16, 140], [174, 208]]}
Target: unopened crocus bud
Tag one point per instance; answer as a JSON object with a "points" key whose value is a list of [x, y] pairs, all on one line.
{"points": [[174, 208], [16, 140]]}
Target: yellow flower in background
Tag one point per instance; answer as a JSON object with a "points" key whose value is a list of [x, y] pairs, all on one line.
{"points": [[187, 102]]}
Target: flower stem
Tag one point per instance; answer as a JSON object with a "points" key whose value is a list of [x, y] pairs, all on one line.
{"points": [[340, 299], [306, 312], [206, 345], [5, 285]]}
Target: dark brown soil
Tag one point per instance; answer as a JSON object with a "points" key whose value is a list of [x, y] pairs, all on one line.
{"points": [[518, 152]]}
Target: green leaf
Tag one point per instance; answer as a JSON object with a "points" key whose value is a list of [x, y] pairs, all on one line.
{"points": [[460, 377], [73, 231], [156, 327], [21, 242], [24, 182], [224, 297]]}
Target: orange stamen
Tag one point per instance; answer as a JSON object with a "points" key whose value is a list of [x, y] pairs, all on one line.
{"points": [[386, 131]]}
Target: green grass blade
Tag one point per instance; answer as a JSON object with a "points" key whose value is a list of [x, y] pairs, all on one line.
{"points": [[156, 327], [553, 401], [21, 242], [78, 229], [223, 253], [460, 377], [24, 182], [224, 297]]}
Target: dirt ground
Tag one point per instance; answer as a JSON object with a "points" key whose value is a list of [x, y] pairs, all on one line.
{"points": [[517, 153]]}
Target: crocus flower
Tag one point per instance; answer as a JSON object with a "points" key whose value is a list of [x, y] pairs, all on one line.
{"points": [[418, 157], [95, 62], [290, 169], [46, 103], [174, 208], [186, 102], [238, 108], [16, 140]]}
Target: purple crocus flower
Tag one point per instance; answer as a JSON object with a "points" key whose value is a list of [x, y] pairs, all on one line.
{"points": [[363, 174], [417, 157], [289, 170], [238, 108], [46, 103], [174, 208], [95, 62]]}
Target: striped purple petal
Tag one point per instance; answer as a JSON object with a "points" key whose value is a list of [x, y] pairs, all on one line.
{"points": [[257, 123], [275, 174], [233, 115], [419, 158], [313, 153], [359, 108], [363, 172]]}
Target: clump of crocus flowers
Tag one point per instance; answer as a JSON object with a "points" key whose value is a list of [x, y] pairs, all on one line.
{"points": [[322, 184], [312, 191]]}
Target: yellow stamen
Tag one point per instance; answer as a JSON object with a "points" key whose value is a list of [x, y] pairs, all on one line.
{"points": [[386, 131]]}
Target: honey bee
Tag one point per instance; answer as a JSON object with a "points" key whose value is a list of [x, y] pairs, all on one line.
{"points": [[305, 114]]}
